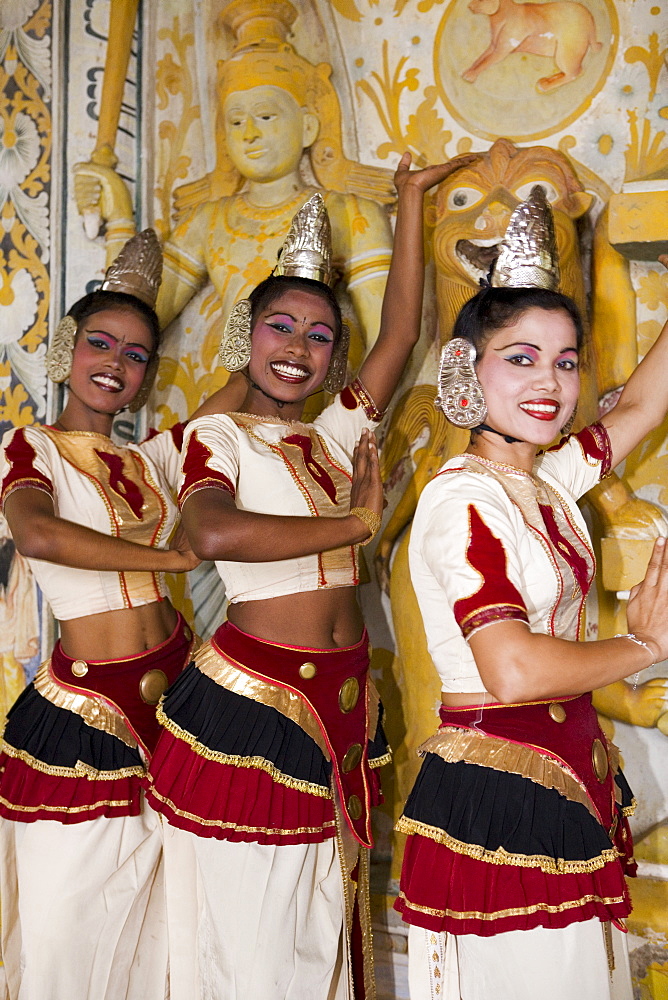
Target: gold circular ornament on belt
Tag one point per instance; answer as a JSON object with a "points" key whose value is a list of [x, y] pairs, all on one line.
{"points": [[354, 807], [349, 694], [557, 712], [79, 668], [152, 686], [308, 670], [352, 757], [599, 760]]}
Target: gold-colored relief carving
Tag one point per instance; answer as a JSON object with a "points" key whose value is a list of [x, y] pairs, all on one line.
{"points": [[424, 134], [174, 77], [532, 78], [646, 156]]}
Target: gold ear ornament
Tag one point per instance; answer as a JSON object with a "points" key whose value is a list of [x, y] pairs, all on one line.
{"points": [[61, 349], [337, 372], [235, 344], [145, 388], [460, 397]]}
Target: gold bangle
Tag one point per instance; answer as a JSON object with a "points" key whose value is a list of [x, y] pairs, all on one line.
{"points": [[369, 519]]}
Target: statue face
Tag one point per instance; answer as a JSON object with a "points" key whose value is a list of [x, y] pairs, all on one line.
{"points": [[266, 132]]}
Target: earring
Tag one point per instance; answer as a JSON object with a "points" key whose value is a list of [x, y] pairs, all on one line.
{"points": [[146, 386], [335, 379], [235, 345], [568, 426], [460, 396], [61, 348]]}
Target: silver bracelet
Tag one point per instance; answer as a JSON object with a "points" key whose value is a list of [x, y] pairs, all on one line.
{"points": [[638, 642]]}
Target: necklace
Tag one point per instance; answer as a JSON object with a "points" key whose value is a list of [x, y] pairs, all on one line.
{"points": [[246, 219], [506, 437], [280, 403]]}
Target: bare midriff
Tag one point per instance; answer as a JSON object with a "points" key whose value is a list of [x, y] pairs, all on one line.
{"points": [[318, 619], [115, 635], [456, 699]]}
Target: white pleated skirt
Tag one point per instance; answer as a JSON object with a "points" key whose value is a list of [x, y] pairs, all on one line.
{"points": [[83, 911], [569, 963], [249, 921]]}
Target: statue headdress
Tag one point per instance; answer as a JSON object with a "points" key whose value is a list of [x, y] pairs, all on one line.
{"points": [[261, 56], [527, 258], [306, 253], [137, 271]]}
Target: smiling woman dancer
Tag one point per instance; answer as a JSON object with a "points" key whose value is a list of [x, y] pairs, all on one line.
{"points": [[513, 878], [81, 887], [266, 770]]}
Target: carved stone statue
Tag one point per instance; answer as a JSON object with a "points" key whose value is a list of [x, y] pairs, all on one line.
{"points": [[274, 107]]}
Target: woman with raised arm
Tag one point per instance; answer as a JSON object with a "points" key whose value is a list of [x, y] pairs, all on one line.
{"points": [[266, 770], [81, 879], [513, 879]]}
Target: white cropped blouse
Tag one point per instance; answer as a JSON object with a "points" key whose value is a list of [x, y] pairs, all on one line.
{"points": [[491, 543], [120, 491], [274, 466]]}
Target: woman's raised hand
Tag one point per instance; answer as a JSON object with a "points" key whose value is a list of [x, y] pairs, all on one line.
{"points": [[427, 177], [367, 487], [647, 610]]}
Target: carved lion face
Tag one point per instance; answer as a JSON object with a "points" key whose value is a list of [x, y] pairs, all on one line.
{"points": [[473, 209]]}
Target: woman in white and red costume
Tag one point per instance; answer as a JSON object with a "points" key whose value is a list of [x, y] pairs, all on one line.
{"points": [[81, 879], [266, 770], [514, 871]]}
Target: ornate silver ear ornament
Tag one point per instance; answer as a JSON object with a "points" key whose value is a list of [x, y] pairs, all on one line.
{"points": [[235, 344], [460, 396], [61, 349], [528, 256], [335, 379]]}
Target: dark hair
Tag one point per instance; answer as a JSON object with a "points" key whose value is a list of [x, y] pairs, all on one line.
{"points": [[100, 300], [276, 285], [493, 309]]}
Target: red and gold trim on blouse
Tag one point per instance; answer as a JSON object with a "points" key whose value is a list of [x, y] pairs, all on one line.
{"points": [[22, 472], [549, 519], [198, 475], [497, 599], [355, 395], [325, 486], [176, 432], [595, 443]]}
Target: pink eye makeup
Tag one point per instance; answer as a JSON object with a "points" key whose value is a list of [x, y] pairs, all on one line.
{"points": [[106, 342]]}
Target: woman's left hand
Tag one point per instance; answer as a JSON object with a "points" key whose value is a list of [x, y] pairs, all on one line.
{"points": [[184, 557], [427, 177]]}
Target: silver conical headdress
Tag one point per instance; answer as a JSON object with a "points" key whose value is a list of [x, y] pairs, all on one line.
{"points": [[307, 250], [138, 268], [528, 256]]}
